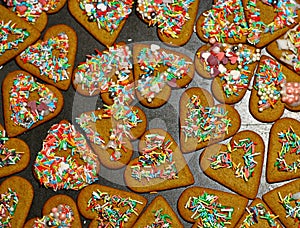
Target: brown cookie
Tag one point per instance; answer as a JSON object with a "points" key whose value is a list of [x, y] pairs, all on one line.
{"points": [[60, 41], [19, 35], [197, 196], [103, 34], [230, 27], [283, 158], [178, 34], [160, 166], [258, 214], [61, 204], [230, 66], [153, 86], [101, 130], [283, 197], [16, 195], [275, 87], [261, 16], [131, 207], [158, 213], [15, 152], [11, 104], [238, 165], [226, 117]]}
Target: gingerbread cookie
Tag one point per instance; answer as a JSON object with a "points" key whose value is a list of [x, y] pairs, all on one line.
{"points": [[27, 103], [160, 165], [110, 207], [210, 208], [66, 161], [35, 12], [284, 201], [157, 71], [231, 66], [52, 60], [158, 214], [110, 131], [16, 195], [275, 88], [202, 123], [174, 19], [103, 19], [237, 165], [58, 211], [283, 161], [229, 27], [269, 19], [16, 35], [258, 214]]}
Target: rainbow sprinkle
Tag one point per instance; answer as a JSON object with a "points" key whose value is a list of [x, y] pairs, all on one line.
{"points": [[60, 172], [161, 220], [25, 111], [9, 202], [286, 203]]}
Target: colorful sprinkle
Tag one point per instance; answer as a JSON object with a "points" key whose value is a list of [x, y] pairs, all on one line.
{"points": [[60, 216], [290, 143], [60, 172], [287, 203], [25, 110], [169, 15], [209, 211], [8, 29], [205, 123], [156, 160], [108, 14], [224, 160], [8, 205], [161, 220], [109, 208]]}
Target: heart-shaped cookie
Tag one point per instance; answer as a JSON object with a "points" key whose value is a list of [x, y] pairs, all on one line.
{"points": [[110, 131], [203, 206], [157, 71], [66, 161], [284, 201], [14, 154], [27, 103], [160, 166], [230, 26], [202, 123], [268, 20], [283, 152], [58, 211], [174, 19], [158, 214], [35, 12], [103, 19], [258, 214], [16, 195], [52, 60], [275, 87], [110, 207], [237, 165], [16, 35], [231, 66]]}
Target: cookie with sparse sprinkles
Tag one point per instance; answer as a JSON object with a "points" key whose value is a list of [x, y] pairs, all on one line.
{"points": [[52, 60], [110, 207], [275, 88], [203, 206], [58, 211], [160, 165], [28, 103], [203, 123], [237, 165], [158, 214], [16, 35], [156, 71], [284, 201], [16, 195]]}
